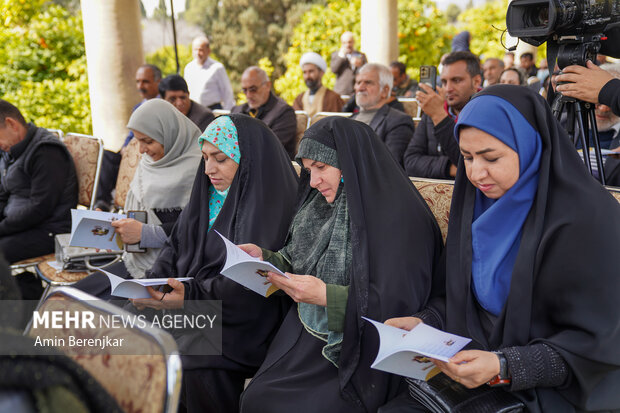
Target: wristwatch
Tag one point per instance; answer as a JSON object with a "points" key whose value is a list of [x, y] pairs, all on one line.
{"points": [[503, 378]]}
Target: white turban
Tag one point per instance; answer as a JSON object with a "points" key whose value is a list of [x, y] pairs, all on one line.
{"points": [[315, 59]]}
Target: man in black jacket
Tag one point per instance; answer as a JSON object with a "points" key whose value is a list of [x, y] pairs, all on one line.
{"points": [[263, 104], [174, 89], [433, 152], [38, 187], [373, 87]]}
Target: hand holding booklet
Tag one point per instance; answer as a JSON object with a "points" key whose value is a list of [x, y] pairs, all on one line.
{"points": [[408, 353], [248, 271], [135, 287], [94, 229]]}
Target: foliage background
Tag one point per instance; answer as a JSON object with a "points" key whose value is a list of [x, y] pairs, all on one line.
{"points": [[423, 32], [43, 65]]}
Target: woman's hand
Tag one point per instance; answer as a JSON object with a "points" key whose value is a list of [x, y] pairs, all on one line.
{"points": [[301, 288], [252, 249], [160, 300], [471, 368], [406, 323], [129, 230]]}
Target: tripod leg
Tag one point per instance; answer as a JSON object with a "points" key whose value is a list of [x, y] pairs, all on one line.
{"points": [[582, 137], [597, 144]]}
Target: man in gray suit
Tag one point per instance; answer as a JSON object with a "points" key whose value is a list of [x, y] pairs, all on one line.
{"points": [[373, 87]]}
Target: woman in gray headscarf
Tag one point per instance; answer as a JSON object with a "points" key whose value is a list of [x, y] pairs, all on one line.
{"points": [[161, 187], [163, 181]]}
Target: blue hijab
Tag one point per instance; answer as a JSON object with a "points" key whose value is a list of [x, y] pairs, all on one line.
{"points": [[498, 223]]}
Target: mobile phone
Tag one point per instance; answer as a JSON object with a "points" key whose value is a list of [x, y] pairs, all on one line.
{"points": [[138, 216], [428, 75]]}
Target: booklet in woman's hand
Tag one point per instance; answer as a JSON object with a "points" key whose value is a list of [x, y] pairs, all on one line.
{"points": [[248, 271], [135, 287], [408, 353]]}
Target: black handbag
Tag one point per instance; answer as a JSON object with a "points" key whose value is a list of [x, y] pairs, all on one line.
{"points": [[441, 394]]}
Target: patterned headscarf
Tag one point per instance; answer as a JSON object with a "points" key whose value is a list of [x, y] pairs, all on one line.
{"points": [[222, 133]]}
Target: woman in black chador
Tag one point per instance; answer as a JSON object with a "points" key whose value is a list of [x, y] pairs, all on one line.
{"points": [[369, 245], [245, 189], [532, 272]]}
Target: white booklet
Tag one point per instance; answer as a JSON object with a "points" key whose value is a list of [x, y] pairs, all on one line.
{"points": [[241, 267], [408, 353], [94, 229], [135, 287]]}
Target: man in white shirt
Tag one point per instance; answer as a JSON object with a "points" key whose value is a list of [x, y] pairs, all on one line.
{"points": [[207, 79]]}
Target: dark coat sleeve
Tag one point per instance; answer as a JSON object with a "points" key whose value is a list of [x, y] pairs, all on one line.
{"points": [[285, 128], [610, 95], [444, 132], [48, 176], [422, 161], [395, 129], [338, 64]]}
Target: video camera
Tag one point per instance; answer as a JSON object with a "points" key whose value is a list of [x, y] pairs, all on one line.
{"points": [[584, 27]]}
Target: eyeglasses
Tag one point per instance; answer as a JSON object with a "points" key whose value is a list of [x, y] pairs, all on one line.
{"points": [[251, 89]]}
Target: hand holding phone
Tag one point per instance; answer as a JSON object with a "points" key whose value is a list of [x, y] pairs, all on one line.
{"points": [[140, 216], [428, 75]]}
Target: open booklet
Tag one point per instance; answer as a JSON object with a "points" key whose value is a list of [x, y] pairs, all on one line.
{"points": [[94, 229], [248, 271], [135, 287], [408, 353]]}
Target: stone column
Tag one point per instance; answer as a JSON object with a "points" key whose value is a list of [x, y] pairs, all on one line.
{"points": [[113, 37], [380, 30]]}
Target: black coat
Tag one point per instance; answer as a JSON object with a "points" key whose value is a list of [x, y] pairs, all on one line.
{"points": [[564, 285], [57, 192], [394, 128], [258, 209], [432, 149], [279, 116]]}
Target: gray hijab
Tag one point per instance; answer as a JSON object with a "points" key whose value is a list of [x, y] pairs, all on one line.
{"points": [[167, 182], [319, 244]]}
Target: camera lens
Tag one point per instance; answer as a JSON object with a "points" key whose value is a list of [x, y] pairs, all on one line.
{"points": [[539, 16]]}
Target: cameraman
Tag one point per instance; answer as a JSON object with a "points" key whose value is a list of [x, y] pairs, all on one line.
{"points": [[591, 84]]}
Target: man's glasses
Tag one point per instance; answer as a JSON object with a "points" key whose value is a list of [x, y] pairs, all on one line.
{"points": [[251, 89]]}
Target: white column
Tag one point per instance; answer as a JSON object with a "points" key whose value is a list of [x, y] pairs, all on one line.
{"points": [[380, 30], [113, 37]]}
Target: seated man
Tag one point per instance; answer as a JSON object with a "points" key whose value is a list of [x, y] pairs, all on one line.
{"points": [[147, 82], [433, 151], [373, 88], [38, 187], [317, 98], [403, 84], [263, 104], [173, 88], [492, 70]]}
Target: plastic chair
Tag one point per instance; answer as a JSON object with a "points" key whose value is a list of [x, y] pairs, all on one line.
{"points": [[412, 108], [320, 115]]}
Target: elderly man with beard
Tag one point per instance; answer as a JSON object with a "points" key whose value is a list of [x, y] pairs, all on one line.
{"points": [[373, 88], [433, 152], [317, 98]]}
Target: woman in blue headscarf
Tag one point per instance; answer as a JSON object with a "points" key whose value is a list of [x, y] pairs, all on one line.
{"points": [[531, 275]]}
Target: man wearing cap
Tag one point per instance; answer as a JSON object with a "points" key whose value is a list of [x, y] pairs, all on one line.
{"points": [[317, 98], [173, 88]]}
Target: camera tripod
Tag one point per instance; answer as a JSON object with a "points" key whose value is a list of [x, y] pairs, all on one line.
{"points": [[580, 120]]}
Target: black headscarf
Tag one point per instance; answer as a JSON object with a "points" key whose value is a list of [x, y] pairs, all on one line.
{"points": [[258, 209], [395, 242], [565, 281]]}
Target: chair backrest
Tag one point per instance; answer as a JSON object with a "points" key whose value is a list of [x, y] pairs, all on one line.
{"points": [[151, 379], [87, 153], [438, 195], [303, 122], [411, 106], [129, 163], [320, 115], [219, 112], [614, 191], [59, 134]]}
